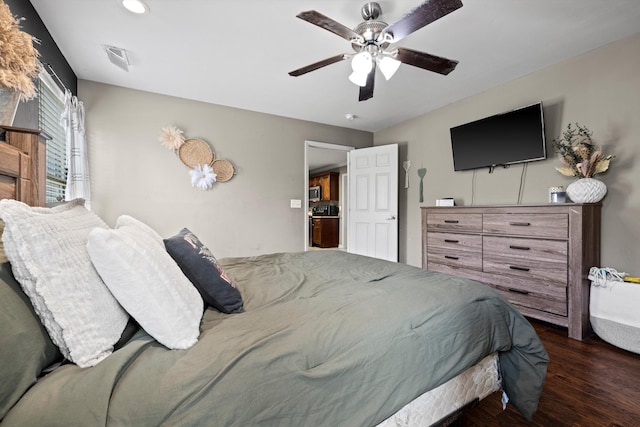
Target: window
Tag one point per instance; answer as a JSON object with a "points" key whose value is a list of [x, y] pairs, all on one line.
{"points": [[51, 107]]}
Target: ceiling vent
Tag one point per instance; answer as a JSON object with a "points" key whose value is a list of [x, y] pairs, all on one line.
{"points": [[118, 57]]}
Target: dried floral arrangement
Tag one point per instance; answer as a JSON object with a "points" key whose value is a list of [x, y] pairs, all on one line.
{"points": [[202, 177], [18, 57], [205, 170], [580, 156], [171, 138]]}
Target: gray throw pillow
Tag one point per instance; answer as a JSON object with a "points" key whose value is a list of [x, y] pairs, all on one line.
{"points": [[200, 266], [26, 348]]}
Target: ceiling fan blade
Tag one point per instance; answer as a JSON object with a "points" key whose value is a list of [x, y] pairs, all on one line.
{"points": [[366, 92], [426, 61], [322, 21], [417, 18], [319, 64]]}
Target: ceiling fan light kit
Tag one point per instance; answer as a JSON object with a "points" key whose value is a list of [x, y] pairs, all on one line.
{"points": [[135, 6], [358, 79], [371, 38], [388, 66], [362, 62]]}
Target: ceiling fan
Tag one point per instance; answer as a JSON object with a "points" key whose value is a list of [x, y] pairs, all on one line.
{"points": [[371, 39]]}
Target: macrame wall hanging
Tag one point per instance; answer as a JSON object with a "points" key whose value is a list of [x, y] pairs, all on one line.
{"points": [[196, 154]]}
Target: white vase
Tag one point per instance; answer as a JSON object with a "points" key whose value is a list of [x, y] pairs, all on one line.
{"points": [[586, 190], [9, 100]]}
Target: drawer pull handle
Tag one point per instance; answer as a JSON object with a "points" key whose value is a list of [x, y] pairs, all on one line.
{"points": [[451, 241], [518, 291], [451, 221], [451, 257], [520, 248], [520, 224], [515, 267]]}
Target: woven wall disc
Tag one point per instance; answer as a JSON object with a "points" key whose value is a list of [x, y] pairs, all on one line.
{"points": [[195, 152], [223, 170]]}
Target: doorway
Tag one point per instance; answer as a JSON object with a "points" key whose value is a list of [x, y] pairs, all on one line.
{"points": [[319, 157]]}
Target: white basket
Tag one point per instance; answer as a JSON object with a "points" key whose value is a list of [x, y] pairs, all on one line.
{"points": [[613, 310]]}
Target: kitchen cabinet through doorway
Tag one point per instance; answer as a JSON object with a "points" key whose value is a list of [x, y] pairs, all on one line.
{"points": [[328, 183]]}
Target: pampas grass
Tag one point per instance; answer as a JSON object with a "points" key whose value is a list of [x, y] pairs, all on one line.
{"points": [[18, 58]]}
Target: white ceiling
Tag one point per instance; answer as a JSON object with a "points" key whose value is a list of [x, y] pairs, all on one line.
{"points": [[238, 53], [320, 159]]}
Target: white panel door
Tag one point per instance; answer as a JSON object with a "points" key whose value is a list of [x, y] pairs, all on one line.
{"points": [[373, 202]]}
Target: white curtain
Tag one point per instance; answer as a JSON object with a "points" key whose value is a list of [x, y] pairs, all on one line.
{"points": [[77, 159]]}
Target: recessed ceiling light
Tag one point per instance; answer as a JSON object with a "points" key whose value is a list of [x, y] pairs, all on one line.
{"points": [[350, 116], [135, 6]]}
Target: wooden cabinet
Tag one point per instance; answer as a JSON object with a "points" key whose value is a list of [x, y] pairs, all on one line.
{"points": [[537, 256], [23, 165], [326, 232], [329, 184]]}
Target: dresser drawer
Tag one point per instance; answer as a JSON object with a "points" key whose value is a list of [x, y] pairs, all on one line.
{"points": [[456, 250], [523, 224], [460, 259], [536, 301], [454, 222], [540, 250], [532, 259], [455, 242]]}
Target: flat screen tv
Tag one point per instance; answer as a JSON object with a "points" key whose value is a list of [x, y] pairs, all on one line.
{"points": [[513, 137]]}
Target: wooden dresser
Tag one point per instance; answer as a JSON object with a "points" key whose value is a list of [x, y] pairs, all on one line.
{"points": [[537, 256], [23, 165]]}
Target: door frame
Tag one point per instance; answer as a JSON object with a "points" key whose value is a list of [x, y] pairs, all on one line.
{"points": [[326, 146]]}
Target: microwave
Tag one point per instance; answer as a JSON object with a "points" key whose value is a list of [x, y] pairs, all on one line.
{"points": [[315, 193]]}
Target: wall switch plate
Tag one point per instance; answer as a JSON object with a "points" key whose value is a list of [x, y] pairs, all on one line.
{"points": [[296, 203]]}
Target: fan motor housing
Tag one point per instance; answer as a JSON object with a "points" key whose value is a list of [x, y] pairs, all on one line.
{"points": [[369, 30], [370, 11]]}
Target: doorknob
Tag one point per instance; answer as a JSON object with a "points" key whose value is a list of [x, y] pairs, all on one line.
{"points": [[391, 218]]}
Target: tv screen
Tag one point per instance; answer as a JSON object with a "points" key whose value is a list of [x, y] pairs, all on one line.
{"points": [[512, 137]]}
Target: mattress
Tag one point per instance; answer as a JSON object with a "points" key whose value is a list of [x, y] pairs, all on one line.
{"points": [[478, 382]]}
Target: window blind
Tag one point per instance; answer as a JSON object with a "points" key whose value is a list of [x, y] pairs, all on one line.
{"points": [[51, 107]]}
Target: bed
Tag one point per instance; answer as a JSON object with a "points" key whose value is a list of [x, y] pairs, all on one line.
{"points": [[321, 338], [349, 345]]}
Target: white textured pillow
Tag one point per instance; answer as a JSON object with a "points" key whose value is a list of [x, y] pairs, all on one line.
{"points": [[143, 277], [47, 248]]}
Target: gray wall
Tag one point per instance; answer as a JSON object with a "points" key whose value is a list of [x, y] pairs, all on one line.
{"points": [[599, 89], [133, 174]]}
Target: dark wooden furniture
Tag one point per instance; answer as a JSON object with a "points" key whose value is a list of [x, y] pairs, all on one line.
{"points": [[329, 183], [23, 165], [326, 232], [537, 256]]}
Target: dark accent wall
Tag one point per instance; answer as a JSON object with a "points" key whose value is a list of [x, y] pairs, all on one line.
{"points": [[27, 115]]}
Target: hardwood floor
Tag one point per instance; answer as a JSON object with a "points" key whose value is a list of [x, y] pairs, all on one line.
{"points": [[589, 383]]}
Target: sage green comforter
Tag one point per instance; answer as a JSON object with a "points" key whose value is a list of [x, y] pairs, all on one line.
{"points": [[327, 339]]}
